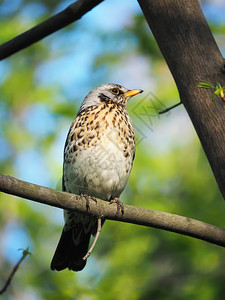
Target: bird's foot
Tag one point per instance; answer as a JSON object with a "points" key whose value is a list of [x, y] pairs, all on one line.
{"points": [[120, 206], [87, 198]]}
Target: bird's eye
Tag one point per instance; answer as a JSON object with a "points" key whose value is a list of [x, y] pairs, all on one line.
{"points": [[115, 91]]}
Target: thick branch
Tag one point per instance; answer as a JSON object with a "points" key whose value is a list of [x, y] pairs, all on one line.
{"points": [[132, 214], [192, 55], [72, 13]]}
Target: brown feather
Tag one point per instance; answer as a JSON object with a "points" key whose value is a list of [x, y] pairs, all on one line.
{"points": [[67, 254]]}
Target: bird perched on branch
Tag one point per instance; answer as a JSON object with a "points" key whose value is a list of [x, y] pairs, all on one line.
{"points": [[98, 158]]}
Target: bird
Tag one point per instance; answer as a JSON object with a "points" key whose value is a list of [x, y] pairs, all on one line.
{"points": [[98, 158]]}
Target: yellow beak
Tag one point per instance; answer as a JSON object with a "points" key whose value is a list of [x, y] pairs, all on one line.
{"points": [[132, 93]]}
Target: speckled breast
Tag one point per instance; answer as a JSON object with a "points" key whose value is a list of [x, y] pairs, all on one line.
{"points": [[99, 151]]}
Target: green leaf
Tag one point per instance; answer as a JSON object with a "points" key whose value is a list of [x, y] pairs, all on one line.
{"points": [[25, 251], [205, 85], [212, 96], [218, 86], [217, 92]]}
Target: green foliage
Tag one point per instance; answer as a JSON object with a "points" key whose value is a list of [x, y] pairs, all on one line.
{"points": [[145, 40], [218, 89], [170, 173]]}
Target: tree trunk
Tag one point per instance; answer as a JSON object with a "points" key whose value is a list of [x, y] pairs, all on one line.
{"points": [[192, 55]]}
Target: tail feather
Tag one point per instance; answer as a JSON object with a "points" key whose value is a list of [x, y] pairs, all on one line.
{"points": [[67, 254]]}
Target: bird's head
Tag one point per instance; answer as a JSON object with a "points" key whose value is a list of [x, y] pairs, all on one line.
{"points": [[109, 92]]}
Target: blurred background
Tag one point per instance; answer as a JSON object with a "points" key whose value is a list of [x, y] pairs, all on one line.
{"points": [[41, 89]]}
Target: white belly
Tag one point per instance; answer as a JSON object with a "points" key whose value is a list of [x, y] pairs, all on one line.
{"points": [[101, 170]]}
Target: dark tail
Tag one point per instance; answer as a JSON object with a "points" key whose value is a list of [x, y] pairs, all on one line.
{"points": [[67, 254]]}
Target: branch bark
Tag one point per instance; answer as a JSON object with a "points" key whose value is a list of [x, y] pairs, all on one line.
{"points": [[192, 55], [132, 214], [72, 13]]}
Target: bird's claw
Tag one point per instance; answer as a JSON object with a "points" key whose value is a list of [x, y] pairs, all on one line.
{"points": [[120, 206], [87, 198]]}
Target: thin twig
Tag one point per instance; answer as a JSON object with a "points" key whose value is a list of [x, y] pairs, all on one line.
{"points": [[169, 108], [69, 15], [8, 281], [99, 228]]}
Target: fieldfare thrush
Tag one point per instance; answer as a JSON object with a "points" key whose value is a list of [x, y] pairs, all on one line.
{"points": [[98, 158]]}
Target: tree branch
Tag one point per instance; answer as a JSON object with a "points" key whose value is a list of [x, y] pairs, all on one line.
{"points": [[132, 214], [72, 13], [99, 228], [192, 55], [15, 268]]}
